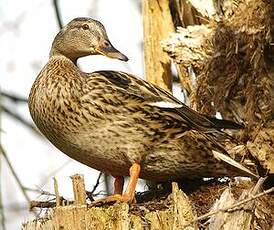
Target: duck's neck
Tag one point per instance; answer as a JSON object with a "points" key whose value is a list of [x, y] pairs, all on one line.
{"points": [[63, 61], [55, 53], [62, 68]]}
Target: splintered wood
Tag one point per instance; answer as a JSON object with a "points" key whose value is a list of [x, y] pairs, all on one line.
{"points": [[79, 189], [176, 211], [79, 215], [231, 62]]}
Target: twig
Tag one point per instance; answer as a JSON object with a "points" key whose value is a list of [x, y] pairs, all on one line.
{"points": [[41, 204], [57, 13], [91, 194], [14, 97], [47, 204], [18, 118], [97, 183], [230, 208], [14, 174]]}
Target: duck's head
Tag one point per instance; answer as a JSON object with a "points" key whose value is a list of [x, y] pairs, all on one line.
{"points": [[82, 37]]}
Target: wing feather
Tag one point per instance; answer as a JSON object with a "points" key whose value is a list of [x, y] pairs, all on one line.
{"points": [[154, 96]]}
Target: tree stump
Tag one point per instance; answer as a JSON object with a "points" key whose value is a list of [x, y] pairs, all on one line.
{"points": [[243, 203]]}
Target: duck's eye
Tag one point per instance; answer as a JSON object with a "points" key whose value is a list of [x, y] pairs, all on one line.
{"points": [[106, 44], [85, 27]]}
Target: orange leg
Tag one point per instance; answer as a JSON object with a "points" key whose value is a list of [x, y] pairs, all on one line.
{"points": [[128, 196], [134, 173], [118, 185]]}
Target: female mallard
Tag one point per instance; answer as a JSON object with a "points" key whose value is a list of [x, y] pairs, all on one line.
{"points": [[117, 123]]}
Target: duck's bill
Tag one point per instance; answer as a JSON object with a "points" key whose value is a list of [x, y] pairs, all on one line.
{"points": [[111, 52]]}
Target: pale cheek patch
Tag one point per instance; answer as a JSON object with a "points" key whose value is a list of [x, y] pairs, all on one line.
{"points": [[165, 105]]}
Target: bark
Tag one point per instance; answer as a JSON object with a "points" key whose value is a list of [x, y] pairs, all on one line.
{"points": [[157, 26]]}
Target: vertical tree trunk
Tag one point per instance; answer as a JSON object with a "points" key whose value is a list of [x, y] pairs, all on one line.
{"points": [[157, 26]]}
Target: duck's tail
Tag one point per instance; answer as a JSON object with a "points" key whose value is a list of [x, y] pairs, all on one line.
{"points": [[224, 124]]}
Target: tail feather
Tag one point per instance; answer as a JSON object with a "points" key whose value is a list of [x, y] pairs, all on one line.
{"points": [[224, 124], [230, 161]]}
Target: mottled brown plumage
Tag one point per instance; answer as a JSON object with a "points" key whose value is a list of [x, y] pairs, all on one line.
{"points": [[111, 120]]}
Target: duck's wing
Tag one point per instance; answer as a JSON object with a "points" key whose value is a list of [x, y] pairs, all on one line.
{"points": [[135, 87], [143, 92], [152, 95]]}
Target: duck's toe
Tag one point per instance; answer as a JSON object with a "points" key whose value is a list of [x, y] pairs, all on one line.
{"points": [[116, 198]]}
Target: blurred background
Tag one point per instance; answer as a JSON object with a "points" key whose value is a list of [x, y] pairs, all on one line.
{"points": [[27, 29]]}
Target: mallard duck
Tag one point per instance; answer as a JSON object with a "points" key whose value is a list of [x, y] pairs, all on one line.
{"points": [[118, 123]]}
